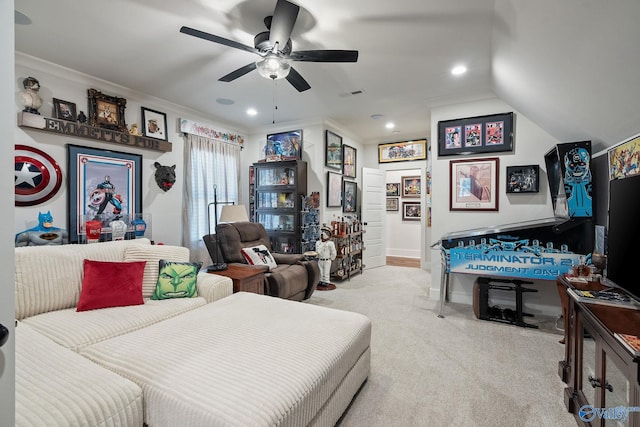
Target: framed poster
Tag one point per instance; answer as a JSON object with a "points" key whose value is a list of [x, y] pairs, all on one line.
{"points": [[411, 211], [333, 150], [334, 190], [64, 110], [624, 159], [473, 184], [471, 135], [411, 186], [350, 191], [348, 161], [154, 124], [392, 204], [523, 179], [393, 189], [103, 185], [285, 145], [402, 151]]}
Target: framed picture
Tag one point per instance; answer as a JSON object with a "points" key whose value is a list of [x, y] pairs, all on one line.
{"points": [[393, 189], [624, 159], [348, 161], [154, 124], [104, 185], [107, 111], [523, 179], [411, 211], [411, 186], [350, 196], [284, 145], [482, 134], [392, 203], [64, 110], [333, 150], [473, 184], [402, 151], [334, 190]]}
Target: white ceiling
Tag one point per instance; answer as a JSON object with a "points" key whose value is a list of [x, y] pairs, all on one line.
{"points": [[570, 66]]}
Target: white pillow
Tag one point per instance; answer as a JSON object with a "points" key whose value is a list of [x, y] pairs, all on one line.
{"points": [[259, 255]]}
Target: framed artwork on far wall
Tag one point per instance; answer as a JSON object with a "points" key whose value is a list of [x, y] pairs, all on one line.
{"points": [[64, 110], [473, 184], [411, 186], [523, 179], [334, 190], [333, 150], [473, 135], [402, 151], [107, 111], [154, 124], [102, 184], [411, 211], [393, 189], [392, 204], [350, 196], [348, 161]]}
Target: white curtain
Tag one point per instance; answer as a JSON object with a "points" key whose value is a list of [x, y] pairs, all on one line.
{"points": [[209, 164]]}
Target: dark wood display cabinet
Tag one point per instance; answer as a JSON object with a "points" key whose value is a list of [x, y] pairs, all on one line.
{"points": [[602, 376], [349, 248], [279, 187]]}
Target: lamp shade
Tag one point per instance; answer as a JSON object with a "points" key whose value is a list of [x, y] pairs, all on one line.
{"points": [[273, 67], [233, 213]]}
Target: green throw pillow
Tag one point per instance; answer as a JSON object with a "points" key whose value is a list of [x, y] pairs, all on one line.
{"points": [[176, 280]]}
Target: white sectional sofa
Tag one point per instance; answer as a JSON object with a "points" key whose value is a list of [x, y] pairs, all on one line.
{"points": [[218, 359]]}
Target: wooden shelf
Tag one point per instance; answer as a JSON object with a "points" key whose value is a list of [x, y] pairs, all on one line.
{"points": [[84, 131]]}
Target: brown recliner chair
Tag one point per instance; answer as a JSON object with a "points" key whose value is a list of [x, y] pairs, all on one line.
{"points": [[294, 278]]}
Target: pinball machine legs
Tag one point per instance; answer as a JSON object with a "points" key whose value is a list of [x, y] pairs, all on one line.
{"points": [[485, 312]]}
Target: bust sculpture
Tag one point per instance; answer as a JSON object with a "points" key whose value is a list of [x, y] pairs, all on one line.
{"points": [[29, 97]]}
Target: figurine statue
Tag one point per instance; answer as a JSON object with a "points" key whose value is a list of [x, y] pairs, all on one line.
{"points": [[43, 234], [82, 118], [326, 250], [29, 96], [134, 130]]}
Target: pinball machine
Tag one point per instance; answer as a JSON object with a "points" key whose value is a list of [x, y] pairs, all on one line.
{"points": [[506, 256]]}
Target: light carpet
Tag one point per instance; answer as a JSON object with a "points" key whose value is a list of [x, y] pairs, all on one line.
{"points": [[456, 371]]}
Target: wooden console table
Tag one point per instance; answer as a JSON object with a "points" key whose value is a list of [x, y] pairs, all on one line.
{"points": [[598, 370], [245, 278]]}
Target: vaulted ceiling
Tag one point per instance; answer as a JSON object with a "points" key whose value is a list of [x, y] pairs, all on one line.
{"points": [[570, 66]]}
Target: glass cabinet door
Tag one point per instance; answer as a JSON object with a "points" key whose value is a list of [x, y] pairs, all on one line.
{"points": [[277, 221], [275, 199], [616, 389], [278, 175]]}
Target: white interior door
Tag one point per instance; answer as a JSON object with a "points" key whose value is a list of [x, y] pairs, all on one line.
{"points": [[373, 215]]}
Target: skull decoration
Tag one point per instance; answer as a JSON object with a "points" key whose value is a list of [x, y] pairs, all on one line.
{"points": [[165, 176], [576, 162]]}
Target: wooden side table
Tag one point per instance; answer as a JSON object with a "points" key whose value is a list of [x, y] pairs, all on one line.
{"points": [[245, 278]]}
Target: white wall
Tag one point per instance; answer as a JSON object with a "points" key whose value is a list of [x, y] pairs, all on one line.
{"points": [[62, 83], [7, 129], [530, 145], [403, 237]]}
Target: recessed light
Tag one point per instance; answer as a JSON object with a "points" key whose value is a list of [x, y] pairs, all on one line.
{"points": [[390, 125], [251, 112], [458, 70], [225, 101]]}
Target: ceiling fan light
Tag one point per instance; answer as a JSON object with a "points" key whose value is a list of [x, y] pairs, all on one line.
{"points": [[273, 67]]}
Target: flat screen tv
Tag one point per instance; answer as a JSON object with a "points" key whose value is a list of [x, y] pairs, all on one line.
{"points": [[623, 239]]}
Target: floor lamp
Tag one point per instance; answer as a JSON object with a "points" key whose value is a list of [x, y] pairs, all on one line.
{"points": [[216, 266]]}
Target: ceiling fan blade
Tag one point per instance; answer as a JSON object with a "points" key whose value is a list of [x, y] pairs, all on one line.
{"points": [[325, 55], [284, 18], [238, 73], [217, 39], [297, 80]]}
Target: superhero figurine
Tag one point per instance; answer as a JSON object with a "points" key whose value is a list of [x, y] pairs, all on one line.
{"points": [[42, 234], [326, 250], [577, 182]]}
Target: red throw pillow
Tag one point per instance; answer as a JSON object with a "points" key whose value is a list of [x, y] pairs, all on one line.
{"points": [[111, 284]]}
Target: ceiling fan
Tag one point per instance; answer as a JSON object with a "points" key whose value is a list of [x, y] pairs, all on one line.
{"points": [[275, 49]]}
